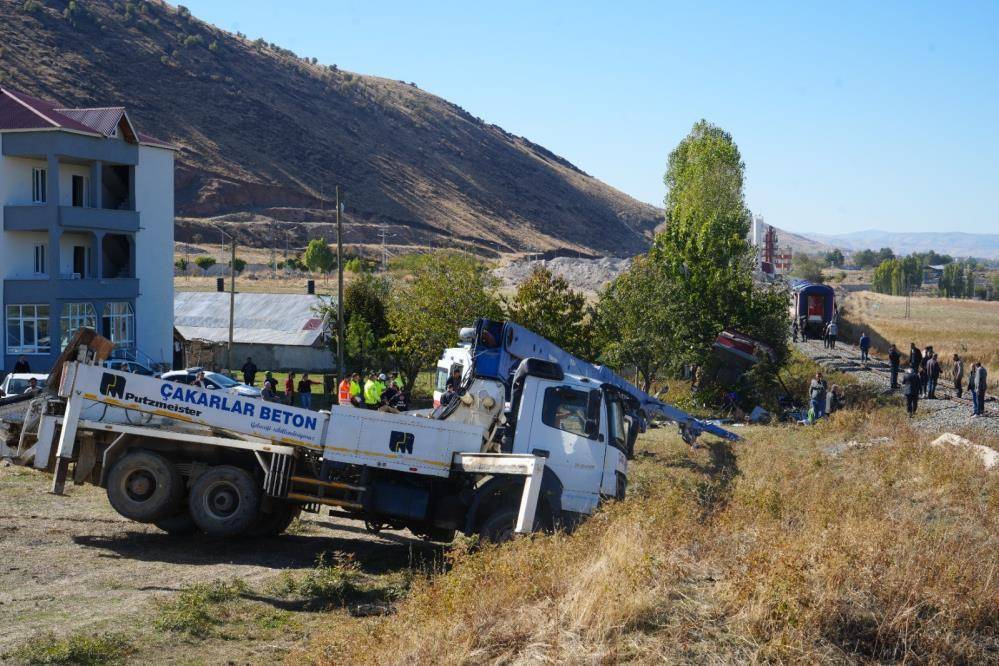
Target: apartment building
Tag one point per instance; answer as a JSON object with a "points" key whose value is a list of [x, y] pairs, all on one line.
{"points": [[86, 207]]}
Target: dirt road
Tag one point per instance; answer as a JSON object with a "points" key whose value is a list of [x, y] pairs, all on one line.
{"points": [[71, 564]]}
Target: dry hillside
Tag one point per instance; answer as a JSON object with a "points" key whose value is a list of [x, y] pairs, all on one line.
{"points": [[264, 136]]}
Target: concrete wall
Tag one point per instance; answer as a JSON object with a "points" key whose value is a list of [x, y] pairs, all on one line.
{"points": [[154, 253], [277, 358]]}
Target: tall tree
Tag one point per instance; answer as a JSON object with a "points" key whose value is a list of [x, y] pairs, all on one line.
{"points": [[632, 328], [447, 291], [705, 260], [546, 304]]}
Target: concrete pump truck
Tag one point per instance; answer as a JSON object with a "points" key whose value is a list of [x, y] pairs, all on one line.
{"points": [[532, 438]]}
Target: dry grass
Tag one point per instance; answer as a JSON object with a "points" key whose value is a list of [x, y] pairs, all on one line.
{"points": [[969, 328], [784, 548]]}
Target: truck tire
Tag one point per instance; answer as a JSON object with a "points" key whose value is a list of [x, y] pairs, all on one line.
{"points": [[275, 522], [224, 501], [145, 487], [499, 525], [178, 524]]}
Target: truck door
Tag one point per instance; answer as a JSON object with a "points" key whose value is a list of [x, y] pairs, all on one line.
{"points": [[615, 472], [566, 425]]}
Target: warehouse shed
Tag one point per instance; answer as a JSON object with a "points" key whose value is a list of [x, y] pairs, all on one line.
{"points": [[279, 331]]}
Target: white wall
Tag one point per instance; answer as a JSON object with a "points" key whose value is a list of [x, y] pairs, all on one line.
{"points": [[17, 254], [15, 180], [66, 244], [154, 253], [66, 173]]}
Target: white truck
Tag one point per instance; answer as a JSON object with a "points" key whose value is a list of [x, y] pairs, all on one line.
{"points": [[529, 441]]}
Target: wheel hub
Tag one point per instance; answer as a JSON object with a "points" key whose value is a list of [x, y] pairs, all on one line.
{"points": [[223, 500], [140, 485]]}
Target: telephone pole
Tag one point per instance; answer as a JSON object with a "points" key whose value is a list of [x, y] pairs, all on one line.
{"points": [[339, 290], [232, 297]]}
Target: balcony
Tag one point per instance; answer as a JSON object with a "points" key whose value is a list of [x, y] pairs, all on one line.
{"points": [[40, 217], [37, 289]]}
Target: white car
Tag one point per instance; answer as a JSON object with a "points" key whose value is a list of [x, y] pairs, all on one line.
{"points": [[18, 383], [213, 381]]}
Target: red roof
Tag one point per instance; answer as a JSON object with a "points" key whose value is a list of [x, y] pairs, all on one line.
{"points": [[23, 112]]}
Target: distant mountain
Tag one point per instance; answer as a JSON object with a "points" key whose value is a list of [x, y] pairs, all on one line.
{"points": [[801, 244], [956, 244], [264, 135]]}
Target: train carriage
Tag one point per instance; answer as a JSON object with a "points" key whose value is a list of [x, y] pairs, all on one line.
{"points": [[814, 304]]}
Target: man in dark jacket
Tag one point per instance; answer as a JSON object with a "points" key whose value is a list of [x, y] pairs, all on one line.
{"points": [[249, 371], [21, 366], [910, 389], [915, 357], [932, 375], [865, 347], [977, 382], [957, 375], [894, 359]]}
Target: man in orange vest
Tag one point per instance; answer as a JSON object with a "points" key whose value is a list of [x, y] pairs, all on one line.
{"points": [[349, 390]]}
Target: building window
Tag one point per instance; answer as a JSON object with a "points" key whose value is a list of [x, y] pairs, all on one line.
{"points": [[38, 185], [40, 259], [119, 324], [81, 191], [28, 329], [74, 317]]}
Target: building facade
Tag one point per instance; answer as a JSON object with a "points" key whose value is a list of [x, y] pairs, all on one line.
{"points": [[86, 207]]}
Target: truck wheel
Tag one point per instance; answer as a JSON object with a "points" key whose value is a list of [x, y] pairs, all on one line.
{"points": [[144, 486], [275, 522], [177, 524], [224, 501], [499, 526]]}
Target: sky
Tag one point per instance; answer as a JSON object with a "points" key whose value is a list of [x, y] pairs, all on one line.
{"points": [[849, 116]]}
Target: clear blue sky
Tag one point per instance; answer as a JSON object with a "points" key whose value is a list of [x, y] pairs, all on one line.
{"points": [[849, 117]]}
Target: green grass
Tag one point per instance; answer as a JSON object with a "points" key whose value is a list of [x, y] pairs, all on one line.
{"points": [[78, 649], [199, 609], [330, 582]]}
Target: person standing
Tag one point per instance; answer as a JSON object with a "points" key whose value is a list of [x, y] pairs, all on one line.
{"points": [[865, 347], [977, 385], [305, 391], [289, 389], [343, 393], [834, 400], [22, 365], [922, 377], [932, 375], [794, 331], [267, 392], [957, 375], [915, 357], [817, 395], [249, 372], [372, 394], [825, 336], [910, 389], [269, 379], [894, 359], [833, 330]]}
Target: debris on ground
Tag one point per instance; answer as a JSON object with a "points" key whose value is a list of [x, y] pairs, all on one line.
{"points": [[990, 457]]}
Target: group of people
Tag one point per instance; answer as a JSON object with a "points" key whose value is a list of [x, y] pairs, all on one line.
{"points": [[380, 391], [922, 375]]}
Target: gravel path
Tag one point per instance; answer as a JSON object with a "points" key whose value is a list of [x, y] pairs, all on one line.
{"points": [[946, 414]]}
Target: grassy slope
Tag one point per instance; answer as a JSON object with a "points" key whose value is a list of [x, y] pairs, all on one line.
{"points": [[969, 328], [779, 548]]}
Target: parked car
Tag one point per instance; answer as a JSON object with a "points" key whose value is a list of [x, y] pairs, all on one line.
{"points": [[18, 383], [130, 366], [213, 381]]}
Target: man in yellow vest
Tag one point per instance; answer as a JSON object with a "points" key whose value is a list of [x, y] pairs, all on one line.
{"points": [[372, 392]]}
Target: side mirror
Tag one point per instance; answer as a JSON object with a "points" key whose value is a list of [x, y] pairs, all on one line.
{"points": [[591, 428]]}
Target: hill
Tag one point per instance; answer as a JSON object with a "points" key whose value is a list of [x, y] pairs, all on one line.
{"points": [[956, 244], [264, 136]]}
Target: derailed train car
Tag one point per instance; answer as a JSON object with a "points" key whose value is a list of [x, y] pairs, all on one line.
{"points": [[813, 305]]}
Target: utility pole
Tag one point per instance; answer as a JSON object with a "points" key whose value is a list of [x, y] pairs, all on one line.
{"points": [[339, 291], [232, 297]]}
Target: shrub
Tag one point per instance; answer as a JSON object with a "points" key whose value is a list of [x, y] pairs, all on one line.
{"points": [[204, 262], [181, 265], [331, 581], [77, 649], [199, 608]]}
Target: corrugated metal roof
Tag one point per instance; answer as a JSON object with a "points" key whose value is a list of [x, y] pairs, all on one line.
{"points": [[104, 120], [279, 319], [44, 114]]}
